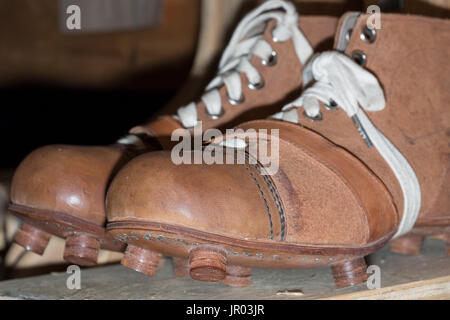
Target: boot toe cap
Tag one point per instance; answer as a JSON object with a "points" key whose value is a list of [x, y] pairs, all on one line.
{"points": [[66, 179], [221, 199]]}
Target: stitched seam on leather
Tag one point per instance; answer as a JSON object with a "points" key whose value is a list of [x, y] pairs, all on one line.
{"points": [[265, 201], [275, 197], [278, 205]]}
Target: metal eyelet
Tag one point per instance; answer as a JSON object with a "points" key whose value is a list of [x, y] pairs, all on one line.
{"points": [[332, 106], [235, 102], [359, 57], [215, 116], [368, 34], [256, 86], [272, 60], [318, 117]]}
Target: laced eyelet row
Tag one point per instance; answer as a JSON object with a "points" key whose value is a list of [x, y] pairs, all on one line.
{"points": [[270, 62], [273, 59], [368, 35]]}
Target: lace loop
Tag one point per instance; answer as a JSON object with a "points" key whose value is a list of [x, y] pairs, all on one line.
{"points": [[340, 79]]}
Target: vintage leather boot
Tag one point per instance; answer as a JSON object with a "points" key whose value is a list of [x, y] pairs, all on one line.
{"points": [[60, 189], [357, 159]]}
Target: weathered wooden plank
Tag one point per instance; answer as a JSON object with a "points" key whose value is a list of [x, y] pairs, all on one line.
{"points": [[424, 276], [436, 289]]}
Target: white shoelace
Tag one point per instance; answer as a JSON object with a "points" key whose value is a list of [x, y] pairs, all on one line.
{"points": [[339, 79], [236, 58]]}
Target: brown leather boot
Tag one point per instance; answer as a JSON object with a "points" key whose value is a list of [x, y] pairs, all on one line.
{"points": [[362, 155], [60, 189]]}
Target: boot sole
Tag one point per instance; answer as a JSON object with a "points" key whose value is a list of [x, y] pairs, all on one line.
{"points": [[83, 238], [213, 258]]}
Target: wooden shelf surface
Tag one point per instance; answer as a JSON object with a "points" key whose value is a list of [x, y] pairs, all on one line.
{"points": [[426, 276]]}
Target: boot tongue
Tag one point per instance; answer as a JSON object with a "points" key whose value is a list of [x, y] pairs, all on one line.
{"points": [[345, 29], [342, 39]]}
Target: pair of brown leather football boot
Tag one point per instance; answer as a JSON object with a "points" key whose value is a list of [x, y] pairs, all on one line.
{"points": [[361, 154], [61, 189]]}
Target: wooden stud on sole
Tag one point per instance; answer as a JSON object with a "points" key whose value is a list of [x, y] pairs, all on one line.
{"points": [[82, 249], [32, 238], [408, 245], [238, 276], [208, 264], [141, 260], [349, 273]]}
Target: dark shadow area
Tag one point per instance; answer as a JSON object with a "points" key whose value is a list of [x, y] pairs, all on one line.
{"points": [[36, 115]]}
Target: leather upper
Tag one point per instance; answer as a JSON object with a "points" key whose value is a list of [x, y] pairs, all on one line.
{"points": [[318, 196], [67, 179]]}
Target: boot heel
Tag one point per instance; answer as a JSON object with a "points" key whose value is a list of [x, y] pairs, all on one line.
{"points": [[349, 273], [208, 264], [181, 267], [408, 245], [82, 249], [32, 239], [141, 260], [238, 276]]}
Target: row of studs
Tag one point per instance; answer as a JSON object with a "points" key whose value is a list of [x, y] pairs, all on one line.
{"points": [[124, 237], [55, 225]]}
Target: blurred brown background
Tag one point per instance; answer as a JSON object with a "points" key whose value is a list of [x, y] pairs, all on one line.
{"points": [[89, 87]]}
